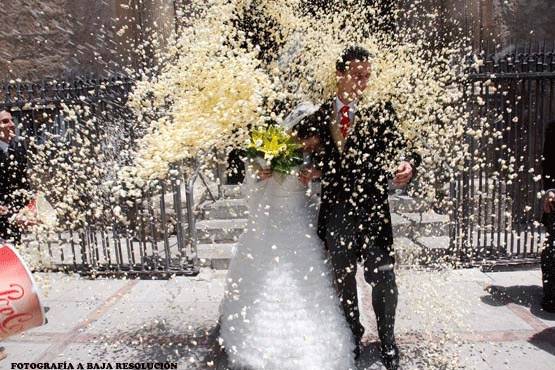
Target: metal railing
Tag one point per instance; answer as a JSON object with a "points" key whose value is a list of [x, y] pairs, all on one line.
{"points": [[38, 107], [496, 209], [156, 237], [496, 216]]}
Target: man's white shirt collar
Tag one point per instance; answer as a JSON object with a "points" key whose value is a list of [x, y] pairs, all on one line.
{"points": [[339, 104]]}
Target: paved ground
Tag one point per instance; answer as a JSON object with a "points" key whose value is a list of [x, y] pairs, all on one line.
{"points": [[446, 319]]}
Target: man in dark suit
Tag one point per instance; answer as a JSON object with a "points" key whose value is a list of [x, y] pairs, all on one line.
{"points": [[13, 178], [358, 148], [13, 165], [548, 253]]}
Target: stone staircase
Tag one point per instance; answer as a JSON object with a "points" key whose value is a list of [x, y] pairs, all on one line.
{"points": [[420, 236]]}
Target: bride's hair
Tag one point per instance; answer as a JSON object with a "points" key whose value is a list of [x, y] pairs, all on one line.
{"points": [[303, 131], [308, 136]]}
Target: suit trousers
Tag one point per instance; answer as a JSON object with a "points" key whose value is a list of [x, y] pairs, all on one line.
{"points": [[347, 244]]}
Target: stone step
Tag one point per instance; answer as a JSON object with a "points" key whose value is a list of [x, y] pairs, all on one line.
{"points": [[232, 191], [220, 231], [434, 242], [415, 225], [218, 255], [224, 209], [424, 251], [407, 252], [405, 203], [398, 203], [409, 225], [435, 249]]}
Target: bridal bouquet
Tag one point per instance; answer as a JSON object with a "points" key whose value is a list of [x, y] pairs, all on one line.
{"points": [[272, 147]]}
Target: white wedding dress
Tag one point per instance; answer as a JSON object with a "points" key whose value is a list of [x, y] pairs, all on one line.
{"points": [[280, 310]]}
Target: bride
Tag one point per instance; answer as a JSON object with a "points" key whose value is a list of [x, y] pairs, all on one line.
{"points": [[280, 310]]}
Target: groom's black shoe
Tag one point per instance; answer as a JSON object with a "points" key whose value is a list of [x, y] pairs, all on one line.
{"points": [[390, 356]]}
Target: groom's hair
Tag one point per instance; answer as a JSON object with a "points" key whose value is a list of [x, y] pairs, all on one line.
{"points": [[350, 54]]}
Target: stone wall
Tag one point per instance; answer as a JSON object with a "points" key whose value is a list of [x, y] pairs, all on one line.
{"points": [[60, 38], [523, 20], [504, 22], [35, 39]]}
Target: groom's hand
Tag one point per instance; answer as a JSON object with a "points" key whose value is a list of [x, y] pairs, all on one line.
{"points": [[403, 175]]}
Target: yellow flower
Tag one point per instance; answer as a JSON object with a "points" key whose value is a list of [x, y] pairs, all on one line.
{"points": [[273, 147], [272, 141], [257, 139]]}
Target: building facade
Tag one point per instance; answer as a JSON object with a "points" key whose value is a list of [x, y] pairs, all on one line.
{"points": [[63, 38], [504, 23]]}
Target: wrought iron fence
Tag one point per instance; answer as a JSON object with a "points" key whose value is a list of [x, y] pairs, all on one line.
{"points": [[157, 239], [496, 216], [38, 107], [158, 235]]}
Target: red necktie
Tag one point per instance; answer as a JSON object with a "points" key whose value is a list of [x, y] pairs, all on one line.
{"points": [[345, 120]]}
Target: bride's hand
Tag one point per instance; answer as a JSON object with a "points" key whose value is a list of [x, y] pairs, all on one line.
{"points": [[306, 175], [264, 174]]}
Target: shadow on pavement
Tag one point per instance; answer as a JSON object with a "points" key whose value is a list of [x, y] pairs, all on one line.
{"points": [[545, 340], [529, 296]]}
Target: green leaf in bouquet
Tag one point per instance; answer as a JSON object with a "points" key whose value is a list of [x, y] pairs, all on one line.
{"points": [[252, 152]]}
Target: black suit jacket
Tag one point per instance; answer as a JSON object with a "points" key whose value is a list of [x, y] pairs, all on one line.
{"points": [[13, 178], [358, 177], [548, 164]]}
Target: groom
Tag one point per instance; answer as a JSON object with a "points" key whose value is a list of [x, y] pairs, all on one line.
{"points": [[357, 148]]}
